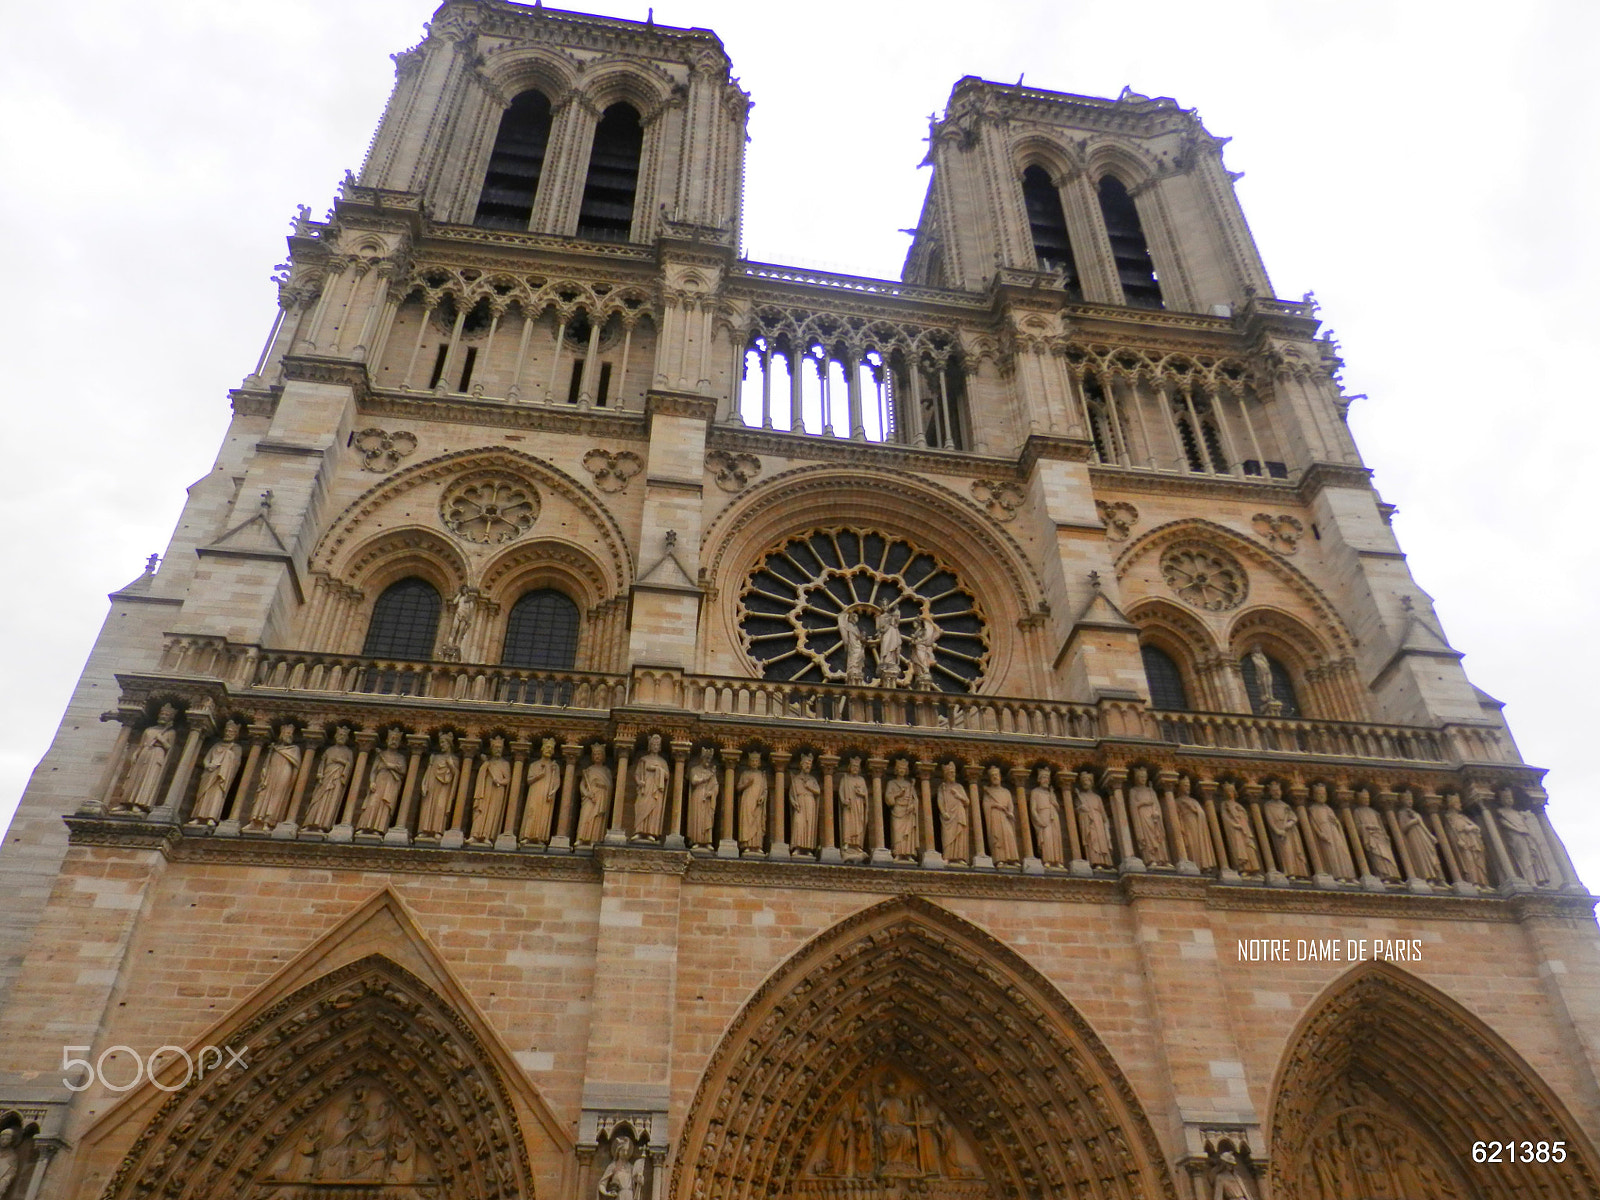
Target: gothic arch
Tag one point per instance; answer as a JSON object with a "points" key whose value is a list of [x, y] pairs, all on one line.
{"points": [[613, 80], [1389, 1070], [909, 987], [1060, 161], [1188, 642], [537, 68], [409, 550], [1132, 165]]}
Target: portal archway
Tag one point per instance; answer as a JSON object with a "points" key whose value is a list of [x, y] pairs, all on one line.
{"points": [[906, 1049]]}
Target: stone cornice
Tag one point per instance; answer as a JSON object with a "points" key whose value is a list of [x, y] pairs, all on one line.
{"points": [[679, 404], [1321, 475], [1048, 446], [1229, 487], [811, 448], [338, 372], [252, 402], [506, 414]]}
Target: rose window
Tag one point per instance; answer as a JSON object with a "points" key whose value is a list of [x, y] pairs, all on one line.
{"points": [[860, 607], [489, 509], [1205, 577]]}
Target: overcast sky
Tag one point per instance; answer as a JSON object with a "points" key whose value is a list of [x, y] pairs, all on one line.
{"points": [[1429, 168]]}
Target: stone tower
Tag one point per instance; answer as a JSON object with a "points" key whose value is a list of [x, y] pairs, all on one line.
{"points": [[626, 721]]}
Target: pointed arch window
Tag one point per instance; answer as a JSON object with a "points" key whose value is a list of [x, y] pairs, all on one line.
{"points": [[1048, 224], [1165, 679], [515, 164], [1140, 288], [405, 621], [606, 213], [1287, 704], [542, 632]]}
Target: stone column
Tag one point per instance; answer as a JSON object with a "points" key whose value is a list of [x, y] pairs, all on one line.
{"points": [[980, 856], [1343, 798], [1269, 853], [405, 821], [507, 837], [1019, 790], [680, 755], [830, 841], [875, 825], [239, 812], [1182, 858], [200, 724], [616, 834], [1219, 844], [561, 841], [778, 845], [1298, 792], [1555, 850], [1111, 781], [455, 837], [728, 846], [930, 852]]}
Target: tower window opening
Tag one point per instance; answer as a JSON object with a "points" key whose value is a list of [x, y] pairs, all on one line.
{"points": [[542, 632], [466, 368], [603, 387], [606, 212], [1165, 680], [575, 387], [405, 621], [438, 365], [1048, 224], [515, 164], [1140, 288], [1099, 419]]}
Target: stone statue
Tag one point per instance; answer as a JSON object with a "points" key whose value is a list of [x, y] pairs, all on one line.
{"points": [[1468, 838], [804, 803], [852, 792], [953, 816], [334, 768], [594, 794], [1325, 827], [10, 1160], [277, 781], [1522, 840], [897, 1135], [889, 640], [1421, 846], [1261, 665], [1283, 827], [623, 1178], [1047, 837], [1144, 811], [1243, 848], [1228, 1183], [1093, 827], [439, 787], [544, 790], [217, 772], [141, 790], [463, 608], [384, 783], [900, 795], [651, 775], [1196, 829], [752, 790], [1374, 837], [489, 792], [1000, 819], [923, 641], [855, 648], [704, 788]]}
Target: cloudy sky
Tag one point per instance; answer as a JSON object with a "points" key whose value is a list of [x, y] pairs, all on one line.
{"points": [[1429, 167]]}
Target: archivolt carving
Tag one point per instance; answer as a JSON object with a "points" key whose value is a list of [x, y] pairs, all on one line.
{"points": [[1180, 624], [1389, 1079], [546, 557], [549, 69], [414, 551], [369, 1036], [911, 990]]}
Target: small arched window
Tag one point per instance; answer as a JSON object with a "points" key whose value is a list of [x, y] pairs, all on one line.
{"points": [[515, 164], [1128, 246], [1048, 224], [1165, 680], [542, 632], [405, 621], [1288, 704], [606, 213]]}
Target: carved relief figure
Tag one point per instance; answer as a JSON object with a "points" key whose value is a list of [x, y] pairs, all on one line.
{"points": [[1468, 838], [650, 777], [752, 790], [1421, 846], [900, 794], [489, 794], [852, 792], [334, 768], [704, 788], [217, 772], [1283, 827], [804, 802], [463, 608], [10, 1161], [623, 1178], [1374, 837], [896, 1135], [1261, 666], [141, 790], [953, 801], [889, 640], [1093, 827], [1329, 833], [384, 783], [1196, 831], [439, 787], [923, 641], [1149, 831], [1000, 819], [855, 648], [1047, 838], [594, 794], [889, 1129], [1229, 1183], [277, 781], [1243, 848], [544, 786], [1522, 840]]}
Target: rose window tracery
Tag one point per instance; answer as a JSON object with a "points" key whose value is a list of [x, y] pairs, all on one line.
{"points": [[1205, 577], [489, 508], [857, 606]]}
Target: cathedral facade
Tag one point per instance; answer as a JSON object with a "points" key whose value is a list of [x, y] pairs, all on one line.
{"points": [[623, 721]]}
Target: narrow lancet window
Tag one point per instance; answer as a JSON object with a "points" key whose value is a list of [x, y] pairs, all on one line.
{"points": [[515, 164], [1140, 287], [1051, 245], [1165, 680], [606, 213], [405, 621], [542, 632]]}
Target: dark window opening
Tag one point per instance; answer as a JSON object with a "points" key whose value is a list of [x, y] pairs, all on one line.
{"points": [[438, 366], [405, 621], [1128, 246], [1048, 223], [603, 388], [1165, 680], [1275, 470], [606, 213], [576, 386], [515, 164], [1282, 688], [466, 368], [542, 632]]}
